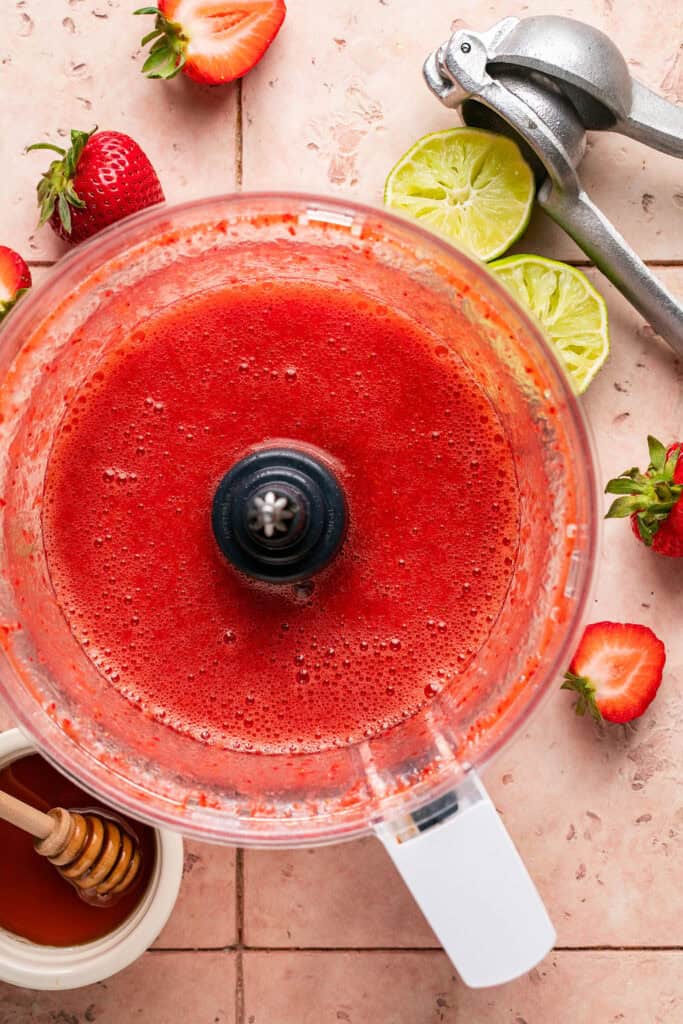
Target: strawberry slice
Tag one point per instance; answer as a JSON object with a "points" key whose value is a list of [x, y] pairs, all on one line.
{"points": [[616, 671], [15, 279], [211, 41]]}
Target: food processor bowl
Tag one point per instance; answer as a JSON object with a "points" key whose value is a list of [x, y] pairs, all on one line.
{"points": [[404, 779]]}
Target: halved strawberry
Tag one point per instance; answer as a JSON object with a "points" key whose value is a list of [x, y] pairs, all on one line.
{"points": [[616, 671], [15, 279], [654, 499], [211, 41]]}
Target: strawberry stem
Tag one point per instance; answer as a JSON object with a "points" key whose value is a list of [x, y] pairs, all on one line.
{"points": [[7, 304], [167, 54], [46, 145], [649, 496], [55, 188], [657, 453], [586, 695]]}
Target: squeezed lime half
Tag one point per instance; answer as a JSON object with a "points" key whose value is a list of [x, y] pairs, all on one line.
{"points": [[471, 185], [572, 314]]}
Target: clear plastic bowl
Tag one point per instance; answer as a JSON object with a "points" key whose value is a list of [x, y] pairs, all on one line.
{"points": [[51, 342]]}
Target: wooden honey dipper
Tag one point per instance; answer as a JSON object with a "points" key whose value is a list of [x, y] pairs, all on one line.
{"points": [[93, 853]]}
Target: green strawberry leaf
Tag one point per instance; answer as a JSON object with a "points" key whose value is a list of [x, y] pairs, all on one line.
{"points": [[166, 57], [623, 507], [7, 304], [661, 510], [55, 189], [46, 145], [625, 485], [647, 535], [657, 453], [649, 497], [64, 212], [150, 35], [159, 55], [671, 463], [586, 695]]}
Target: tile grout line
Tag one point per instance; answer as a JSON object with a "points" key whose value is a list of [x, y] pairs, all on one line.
{"points": [[618, 949], [240, 949], [239, 138], [239, 987], [239, 921]]}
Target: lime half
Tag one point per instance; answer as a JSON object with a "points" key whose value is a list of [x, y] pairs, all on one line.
{"points": [[470, 185], [571, 312]]}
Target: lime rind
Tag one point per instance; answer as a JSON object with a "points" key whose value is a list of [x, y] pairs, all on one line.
{"points": [[569, 310], [471, 185]]}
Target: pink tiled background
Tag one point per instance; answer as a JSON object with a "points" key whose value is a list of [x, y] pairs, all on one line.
{"points": [[330, 936]]}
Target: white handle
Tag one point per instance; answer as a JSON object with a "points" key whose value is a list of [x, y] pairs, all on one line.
{"points": [[472, 886]]}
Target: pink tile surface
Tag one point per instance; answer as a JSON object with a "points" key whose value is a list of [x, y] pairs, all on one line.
{"points": [[204, 916], [421, 988], [347, 895], [597, 814], [341, 97], [69, 64], [161, 988]]}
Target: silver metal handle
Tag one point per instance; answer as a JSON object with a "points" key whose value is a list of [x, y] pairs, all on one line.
{"points": [[458, 71], [653, 121], [612, 254], [562, 197]]}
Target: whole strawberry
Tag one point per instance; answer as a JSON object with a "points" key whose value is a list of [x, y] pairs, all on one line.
{"points": [[653, 499], [15, 279], [101, 178]]}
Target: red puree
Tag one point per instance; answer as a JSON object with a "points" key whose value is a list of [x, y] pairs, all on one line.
{"points": [[405, 605], [35, 901]]}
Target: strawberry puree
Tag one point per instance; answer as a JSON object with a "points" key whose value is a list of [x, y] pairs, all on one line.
{"points": [[414, 591]]}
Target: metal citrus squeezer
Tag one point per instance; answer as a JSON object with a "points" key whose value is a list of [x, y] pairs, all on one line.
{"points": [[544, 81]]}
